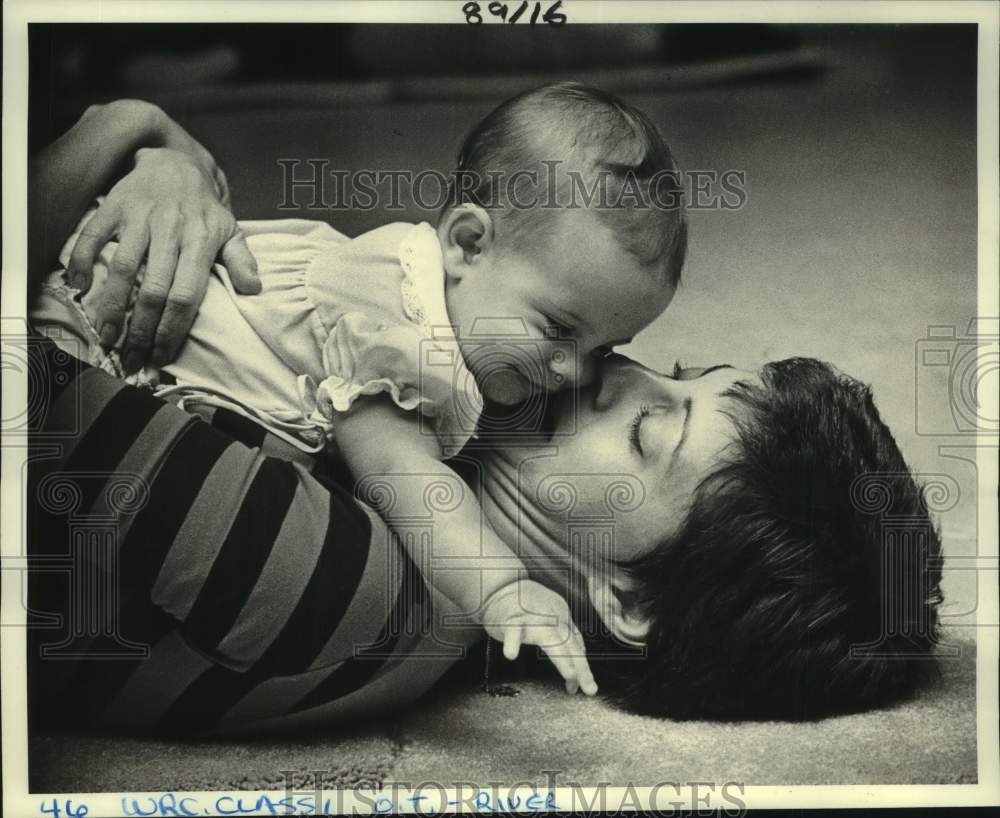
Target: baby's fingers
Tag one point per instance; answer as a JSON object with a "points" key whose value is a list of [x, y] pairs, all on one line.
{"points": [[512, 641], [587, 683], [566, 667], [579, 655], [570, 660]]}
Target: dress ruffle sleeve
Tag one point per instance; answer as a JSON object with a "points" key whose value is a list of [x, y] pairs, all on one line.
{"points": [[364, 357], [415, 360]]}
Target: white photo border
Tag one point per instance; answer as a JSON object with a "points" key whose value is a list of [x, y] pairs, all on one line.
{"points": [[18, 13]]}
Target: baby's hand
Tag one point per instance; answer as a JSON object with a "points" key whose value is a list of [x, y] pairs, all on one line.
{"points": [[527, 611]]}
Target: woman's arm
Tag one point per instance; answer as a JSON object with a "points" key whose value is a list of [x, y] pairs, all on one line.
{"points": [[230, 568], [170, 208], [70, 173]]}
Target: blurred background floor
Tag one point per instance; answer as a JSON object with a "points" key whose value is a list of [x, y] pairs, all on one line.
{"points": [[858, 235]]}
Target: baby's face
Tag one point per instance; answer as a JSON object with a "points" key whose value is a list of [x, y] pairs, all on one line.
{"points": [[536, 320]]}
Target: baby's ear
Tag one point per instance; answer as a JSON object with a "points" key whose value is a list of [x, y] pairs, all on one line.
{"points": [[465, 233], [610, 594]]}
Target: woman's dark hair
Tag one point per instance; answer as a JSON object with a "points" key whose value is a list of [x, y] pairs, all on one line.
{"points": [[806, 578]]}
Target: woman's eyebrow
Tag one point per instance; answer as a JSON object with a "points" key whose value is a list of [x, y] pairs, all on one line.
{"points": [[709, 370]]}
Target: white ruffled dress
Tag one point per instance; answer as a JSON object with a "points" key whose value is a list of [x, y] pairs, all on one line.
{"points": [[337, 319]]}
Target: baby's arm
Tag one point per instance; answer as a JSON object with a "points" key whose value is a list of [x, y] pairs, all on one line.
{"points": [[379, 440]]}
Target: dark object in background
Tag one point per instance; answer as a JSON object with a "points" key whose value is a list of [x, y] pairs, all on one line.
{"points": [[117, 56], [74, 65]]}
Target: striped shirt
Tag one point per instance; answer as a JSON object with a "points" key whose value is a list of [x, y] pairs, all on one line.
{"points": [[186, 577]]}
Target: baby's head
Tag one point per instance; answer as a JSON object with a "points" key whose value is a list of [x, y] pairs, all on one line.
{"points": [[563, 237]]}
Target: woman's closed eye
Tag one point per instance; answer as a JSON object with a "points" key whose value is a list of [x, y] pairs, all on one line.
{"points": [[635, 429]]}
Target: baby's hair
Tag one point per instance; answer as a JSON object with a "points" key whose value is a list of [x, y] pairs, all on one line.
{"points": [[583, 143]]}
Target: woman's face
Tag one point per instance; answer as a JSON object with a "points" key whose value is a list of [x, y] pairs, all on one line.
{"points": [[626, 459]]}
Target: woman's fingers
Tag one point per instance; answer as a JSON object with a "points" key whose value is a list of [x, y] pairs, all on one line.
{"points": [[190, 281], [170, 204], [125, 263], [221, 183], [152, 298], [241, 264], [95, 234]]}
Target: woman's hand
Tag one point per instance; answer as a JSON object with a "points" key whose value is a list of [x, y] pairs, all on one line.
{"points": [[172, 135], [170, 212]]}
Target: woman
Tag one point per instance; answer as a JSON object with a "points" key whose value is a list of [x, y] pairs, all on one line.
{"points": [[724, 554]]}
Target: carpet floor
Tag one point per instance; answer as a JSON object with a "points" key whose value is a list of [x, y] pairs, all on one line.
{"points": [[460, 734]]}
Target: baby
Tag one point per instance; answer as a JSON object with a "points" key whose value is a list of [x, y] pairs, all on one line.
{"points": [[550, 251]]}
